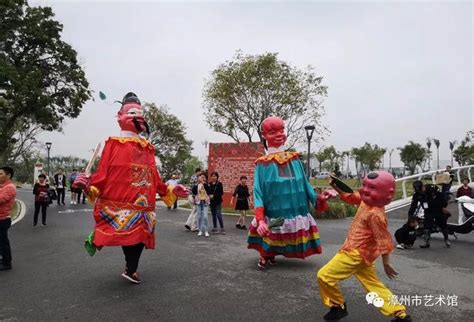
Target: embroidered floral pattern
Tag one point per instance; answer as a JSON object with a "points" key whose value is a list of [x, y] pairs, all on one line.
{"points": [[279, 157]]}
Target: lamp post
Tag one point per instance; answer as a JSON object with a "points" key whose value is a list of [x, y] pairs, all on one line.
{"points": [[309, 134], [48, 146]]}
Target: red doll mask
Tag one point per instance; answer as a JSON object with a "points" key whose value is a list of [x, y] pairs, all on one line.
{"points": [[130, 118], [378, 188], [273, 131]]}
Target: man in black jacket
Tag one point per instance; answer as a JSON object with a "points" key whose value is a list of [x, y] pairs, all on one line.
{"points": [[435, 213], [60, 185], [418, 200]]}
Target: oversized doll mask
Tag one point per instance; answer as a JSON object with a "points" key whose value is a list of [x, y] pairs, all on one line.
{"points": [[273, 131], [378, 188], [130, 117]]}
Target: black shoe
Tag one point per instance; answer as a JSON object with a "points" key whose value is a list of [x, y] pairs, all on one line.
{"points": [[5, 267], [405, 319], [187, 227], [64, 204], [336, 313], [237, 226], [43, 224], [243, 227]]}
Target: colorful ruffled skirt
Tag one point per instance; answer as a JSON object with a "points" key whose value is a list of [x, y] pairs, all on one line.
{"points": [[296, 238]]}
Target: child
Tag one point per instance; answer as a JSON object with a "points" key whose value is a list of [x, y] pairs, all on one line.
{"points": [[406, 235], [202, 201], [368, 238], [242, 194]]}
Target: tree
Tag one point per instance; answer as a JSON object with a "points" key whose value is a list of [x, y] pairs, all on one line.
{"points": [[22, 142], [168, 135], [368, 156], [452, 144], [41, 80], [332, 161], [242, 92], [464, 153], [190, 166], [322, 156], [436, 142], [413, 155], [428, 144]]}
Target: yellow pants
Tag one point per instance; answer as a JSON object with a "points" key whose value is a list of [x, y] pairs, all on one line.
{"points": [[343, 265]]}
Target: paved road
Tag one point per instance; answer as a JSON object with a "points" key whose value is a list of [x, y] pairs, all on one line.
{"points": [[190, 278]]}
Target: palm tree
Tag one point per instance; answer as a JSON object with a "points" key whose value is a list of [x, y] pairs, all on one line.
{"points": [[451, 147], [436, 142], [428, 144], [390, 159]]}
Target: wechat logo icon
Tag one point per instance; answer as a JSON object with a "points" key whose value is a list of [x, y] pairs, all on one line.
{"points": [[375, 299]]}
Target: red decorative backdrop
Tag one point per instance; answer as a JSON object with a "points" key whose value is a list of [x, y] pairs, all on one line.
{"points": [[231, 161]]}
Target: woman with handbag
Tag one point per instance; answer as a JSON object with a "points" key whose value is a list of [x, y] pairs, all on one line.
{"points": [[42, 199]]}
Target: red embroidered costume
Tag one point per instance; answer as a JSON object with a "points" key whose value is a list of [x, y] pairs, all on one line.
{"points": [[124, 189]]}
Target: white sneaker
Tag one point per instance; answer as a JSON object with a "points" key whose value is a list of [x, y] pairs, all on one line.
{"points": [[200, 233], [401, 246], [206, 234], [71, 202]]}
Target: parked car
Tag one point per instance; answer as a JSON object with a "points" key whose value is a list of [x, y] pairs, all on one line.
{"points": [[322, 175]]}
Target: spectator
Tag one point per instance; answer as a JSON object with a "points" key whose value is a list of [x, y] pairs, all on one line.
{"points": [[59, 181], [241, 193], [201, 191], [464, 190], [174, 181], [406, 235], [418, 200], [191, 223], [446, 187], [217, 190], [72, 178], [42, 199], [436, 212], [7, 201], [79, 191]]}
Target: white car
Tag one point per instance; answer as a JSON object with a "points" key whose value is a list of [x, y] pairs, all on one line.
{"points": [[322, 175]]}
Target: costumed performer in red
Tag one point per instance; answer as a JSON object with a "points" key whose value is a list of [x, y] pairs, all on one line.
{"points": [[124, 189]]}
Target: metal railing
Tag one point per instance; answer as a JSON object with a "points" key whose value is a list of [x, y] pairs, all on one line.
{"points": [[406, 199]]}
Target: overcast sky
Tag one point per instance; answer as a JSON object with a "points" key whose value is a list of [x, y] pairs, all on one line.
{"points": [[396, 71]]}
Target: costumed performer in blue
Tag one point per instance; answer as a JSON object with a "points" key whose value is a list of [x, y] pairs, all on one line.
{"points": [[282, 191]]}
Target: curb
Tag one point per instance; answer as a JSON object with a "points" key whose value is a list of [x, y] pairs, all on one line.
{"points": [[22, 212]]}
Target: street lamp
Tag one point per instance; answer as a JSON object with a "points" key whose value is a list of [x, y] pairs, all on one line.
{"points": [[309, 134], [48, 146]]}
